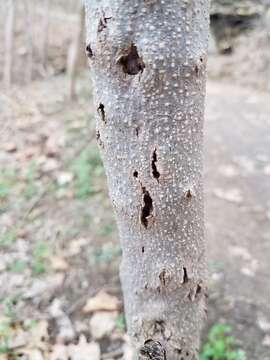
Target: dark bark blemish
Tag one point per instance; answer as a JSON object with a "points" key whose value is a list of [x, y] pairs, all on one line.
{"points": [[185, 276], [143, 249], [130, 60], [155, 171], [188, 194], [152, 350], [147, 209], [88, 51], [101, 111], [198, 290], [135, 173], [137, 130], [99, 141], [103, 22], [164, 278], [199, 66], [150, 2]]}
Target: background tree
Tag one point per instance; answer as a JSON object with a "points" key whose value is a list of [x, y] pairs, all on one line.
{"points": [[9, 40], [148, 63]]}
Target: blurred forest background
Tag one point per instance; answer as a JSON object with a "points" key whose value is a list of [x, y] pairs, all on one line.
{"points": [[60, 296]]}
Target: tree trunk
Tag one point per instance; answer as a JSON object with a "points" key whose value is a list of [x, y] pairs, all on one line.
{"points": [[29, 40], [9, 42], [147, 59], [45, 34]]}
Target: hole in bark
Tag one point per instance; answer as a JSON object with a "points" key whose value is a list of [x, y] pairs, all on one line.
{"points": [[185, 276], [142, 249], [130, 60], [155, 171], [188, 194], [147, 207], [103, 22], [137, 130], [101, 111], [88, 50], [135, 174]]}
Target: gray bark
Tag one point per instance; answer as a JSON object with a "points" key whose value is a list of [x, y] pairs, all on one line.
{"points": [[147, 60]]}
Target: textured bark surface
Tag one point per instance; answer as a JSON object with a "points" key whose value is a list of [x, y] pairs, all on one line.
{"points": [[147, 59]]}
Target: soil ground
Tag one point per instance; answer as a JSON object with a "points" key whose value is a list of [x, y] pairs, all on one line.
{"points": [[58, 239]]}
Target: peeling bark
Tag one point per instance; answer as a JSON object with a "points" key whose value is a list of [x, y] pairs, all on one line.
{"points": [[148, 69]]}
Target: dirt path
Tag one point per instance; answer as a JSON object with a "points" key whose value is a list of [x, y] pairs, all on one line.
{"points": [[238, 211]]}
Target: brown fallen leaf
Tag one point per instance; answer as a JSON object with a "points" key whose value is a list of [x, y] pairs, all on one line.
{"points": [[10, 147], [32, 354], [58, 263], [22, 233], [102, 301], [65, 327], [102, 323], [39, 335], [84, 350], [59, 352]]}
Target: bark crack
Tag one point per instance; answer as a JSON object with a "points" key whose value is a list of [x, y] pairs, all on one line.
{"points": [[155, 171], [185, 276], [89, 52], [101, 111], [147, 208], [103, 22]]}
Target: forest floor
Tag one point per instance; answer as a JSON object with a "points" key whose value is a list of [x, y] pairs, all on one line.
{"points": [[58, 239], [60, 295]]}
